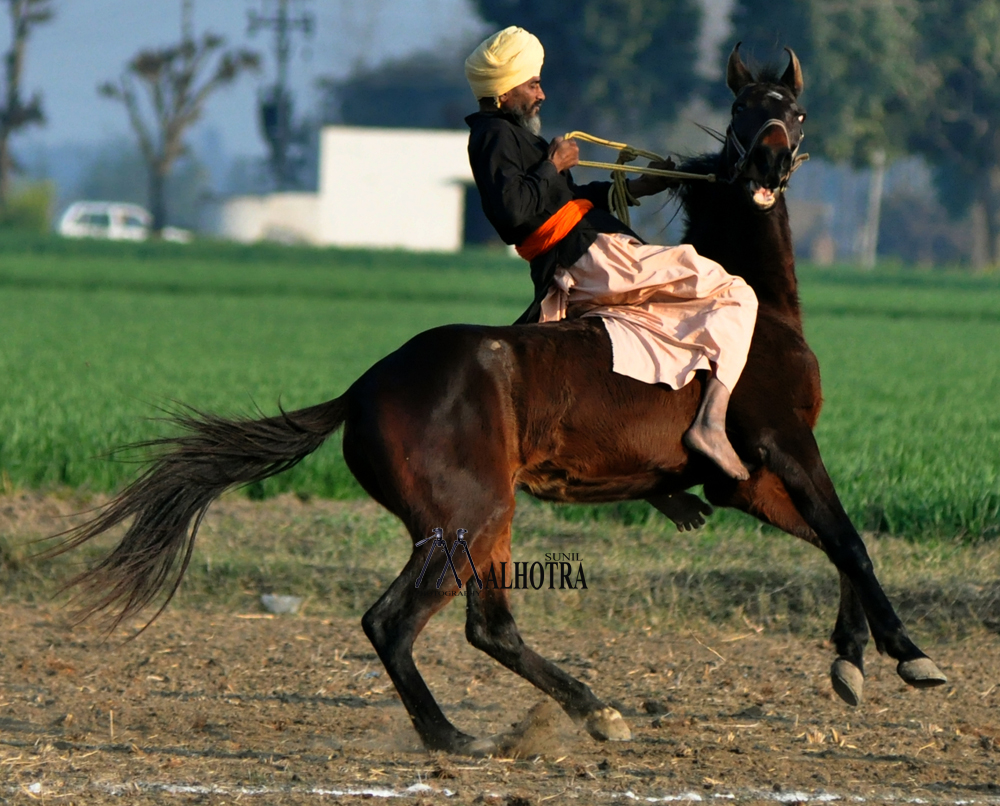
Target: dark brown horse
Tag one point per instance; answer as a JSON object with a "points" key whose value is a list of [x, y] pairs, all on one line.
{"points": [[445, 429]]}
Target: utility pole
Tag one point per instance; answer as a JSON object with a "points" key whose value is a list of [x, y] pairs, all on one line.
{"points": [[869, 243], [187, 20], [276, 100]]}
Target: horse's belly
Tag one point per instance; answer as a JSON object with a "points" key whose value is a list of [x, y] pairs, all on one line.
{"points": [[556, 487], [596, 481]]}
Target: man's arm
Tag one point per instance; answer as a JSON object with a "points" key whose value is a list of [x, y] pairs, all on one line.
{"points": [[567, 153], [516, 194], [648, 184], [564, 154]]}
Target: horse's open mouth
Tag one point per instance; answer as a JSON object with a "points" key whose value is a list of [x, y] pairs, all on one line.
{"points": [[763, 197]]}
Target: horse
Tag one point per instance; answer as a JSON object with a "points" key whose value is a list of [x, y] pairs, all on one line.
{"points": [[444, 430]]}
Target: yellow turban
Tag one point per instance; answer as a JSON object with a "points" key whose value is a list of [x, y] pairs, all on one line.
{"points": [[504, 61]]}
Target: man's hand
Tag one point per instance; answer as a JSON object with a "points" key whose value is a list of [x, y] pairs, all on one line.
{"points": [[564, 154], [647, 185]]}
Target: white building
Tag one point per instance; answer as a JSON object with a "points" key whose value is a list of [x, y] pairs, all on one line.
{"points": [[387, 188]]}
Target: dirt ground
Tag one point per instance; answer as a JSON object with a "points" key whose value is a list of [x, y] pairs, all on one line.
{"points": [[217, 707]]}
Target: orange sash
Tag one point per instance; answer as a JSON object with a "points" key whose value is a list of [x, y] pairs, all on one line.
{"points": [[554, 229]]}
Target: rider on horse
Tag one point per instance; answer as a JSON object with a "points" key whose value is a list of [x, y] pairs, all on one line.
{"points": [[668, 311]]}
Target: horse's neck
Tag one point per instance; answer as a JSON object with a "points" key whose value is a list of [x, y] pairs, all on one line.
{"points": [[753, 245]]}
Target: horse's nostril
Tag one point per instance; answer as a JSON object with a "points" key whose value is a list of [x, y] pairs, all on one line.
{"points": [[779, 163]]}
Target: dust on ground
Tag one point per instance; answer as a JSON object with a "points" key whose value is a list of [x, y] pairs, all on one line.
{"points": [[216, 704]]}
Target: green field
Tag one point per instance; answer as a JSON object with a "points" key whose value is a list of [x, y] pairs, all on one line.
{"points": [[97, 336]]}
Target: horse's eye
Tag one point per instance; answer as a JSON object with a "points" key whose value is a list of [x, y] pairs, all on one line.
{"points": [[739, 108]]}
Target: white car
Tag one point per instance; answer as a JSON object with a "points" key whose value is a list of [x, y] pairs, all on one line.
{"points": [[114, 221]]}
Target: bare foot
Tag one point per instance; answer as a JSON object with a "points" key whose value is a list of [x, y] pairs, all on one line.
{"points": [[687, 511], [713, 443]]}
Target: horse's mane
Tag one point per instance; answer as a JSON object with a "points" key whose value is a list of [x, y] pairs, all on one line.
{"points": [[719, 221], [708, 163], [769, 73], [689, 193]]}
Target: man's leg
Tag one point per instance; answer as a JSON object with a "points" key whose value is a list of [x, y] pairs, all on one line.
{"points": [[661, 306], [707, 433]]}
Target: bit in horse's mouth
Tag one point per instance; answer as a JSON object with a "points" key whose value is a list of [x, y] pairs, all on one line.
{"points": [[763, 197]]}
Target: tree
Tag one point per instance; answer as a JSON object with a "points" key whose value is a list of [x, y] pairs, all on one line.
{"points": [[610, 65], [423, 90], [178, 81], [117, 171], [959, 130], [15, 114], [863, 85]]}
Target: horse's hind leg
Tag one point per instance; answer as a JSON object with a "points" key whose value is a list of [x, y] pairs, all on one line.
{"points": [[765, 497], [490, 626], [477, 500], [392, 625]]}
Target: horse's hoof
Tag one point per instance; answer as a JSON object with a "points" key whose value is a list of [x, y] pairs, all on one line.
{"points": [[479, 747], [848, 681], [607, 725], [921, 673]]}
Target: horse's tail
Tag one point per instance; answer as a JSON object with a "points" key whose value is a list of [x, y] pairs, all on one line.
{"points": [[168, 501]]}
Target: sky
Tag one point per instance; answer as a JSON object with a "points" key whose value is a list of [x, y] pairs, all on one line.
{"points": [[90, 41]]}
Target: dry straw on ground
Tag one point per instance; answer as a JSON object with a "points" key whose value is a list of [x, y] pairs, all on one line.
{"points": [[340, 556]]}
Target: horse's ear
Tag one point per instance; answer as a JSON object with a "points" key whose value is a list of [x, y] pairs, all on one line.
{"points": [[792, 77], [737, 73]]}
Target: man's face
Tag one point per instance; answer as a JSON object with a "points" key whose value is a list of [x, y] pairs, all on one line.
{"points": [[524, 102]]}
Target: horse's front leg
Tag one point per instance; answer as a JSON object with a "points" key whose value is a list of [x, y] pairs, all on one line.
{"points": [[765, 497], [793, 456], [849, 636]]}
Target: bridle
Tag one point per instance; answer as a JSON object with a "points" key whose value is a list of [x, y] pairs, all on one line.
{"points": [[744, 153]]}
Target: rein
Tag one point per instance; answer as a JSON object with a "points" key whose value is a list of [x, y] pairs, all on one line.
{"points": [[627, 153], [741, 163], [619, 197]]}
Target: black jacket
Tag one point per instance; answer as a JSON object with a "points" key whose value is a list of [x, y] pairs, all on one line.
{"points": [[520, 189]]}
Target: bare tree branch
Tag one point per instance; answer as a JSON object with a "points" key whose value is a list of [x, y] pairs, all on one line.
{"points": [[170, 78], [15, 114], [128, 97]]}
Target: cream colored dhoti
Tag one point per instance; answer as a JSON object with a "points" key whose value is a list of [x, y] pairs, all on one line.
{"points": [[668, 310]]}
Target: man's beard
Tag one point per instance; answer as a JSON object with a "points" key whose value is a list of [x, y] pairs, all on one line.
{"points": [[529, 119]]}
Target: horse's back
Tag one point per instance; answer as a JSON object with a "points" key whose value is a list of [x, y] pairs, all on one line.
{"points": [[539, 404]]}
